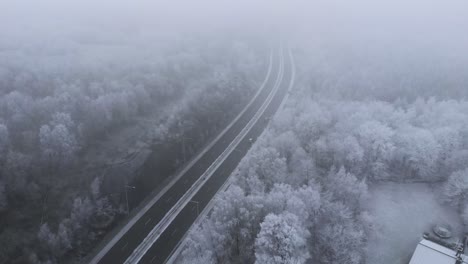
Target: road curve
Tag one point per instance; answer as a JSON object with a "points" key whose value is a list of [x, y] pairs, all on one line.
{"points": [[169, 240], [121, 247]]}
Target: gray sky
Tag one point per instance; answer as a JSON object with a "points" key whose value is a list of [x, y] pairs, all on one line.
{"points": [[424, 24], [366, 14]]}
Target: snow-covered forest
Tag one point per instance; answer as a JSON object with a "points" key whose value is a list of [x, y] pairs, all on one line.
{"points": [[79, 98], [53, 116], [301, 192], [103, 102], [367, 110]]}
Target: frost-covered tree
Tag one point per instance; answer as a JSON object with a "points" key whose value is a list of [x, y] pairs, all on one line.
{"points": [[346, 187], [347, 152], [56, 244], [103, 212], [18, 107], [15, 172], [61, 118], [199, 248], [4, 141], [58, 144], [456, 189], [263, 168], [201, 257], [338, 237], [50, 109], [293, 169], [418, 152], [81, 211], [377, 141], [450, 142], [3, 197], [465, 216], [45, 235], [282, 240], [232, 222]]}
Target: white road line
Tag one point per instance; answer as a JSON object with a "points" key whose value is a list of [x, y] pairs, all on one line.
{"points": [[175, 253], [227, 183], [141, 250], [147, 221], [150, 204], [293, 78], [123, 248]]}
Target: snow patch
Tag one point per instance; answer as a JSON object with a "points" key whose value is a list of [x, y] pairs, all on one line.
{"points": [[402, 213]]}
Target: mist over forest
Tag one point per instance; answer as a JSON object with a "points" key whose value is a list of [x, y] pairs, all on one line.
{"points": [[103, 103]]}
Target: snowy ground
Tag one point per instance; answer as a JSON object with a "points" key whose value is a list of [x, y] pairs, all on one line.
{"points": [[402, 213]]}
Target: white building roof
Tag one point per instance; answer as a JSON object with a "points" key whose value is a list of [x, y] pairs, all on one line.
{"points": [[428, 252]]}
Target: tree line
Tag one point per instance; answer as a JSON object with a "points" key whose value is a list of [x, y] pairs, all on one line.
{"points": [[299, 195], [53, 209]]}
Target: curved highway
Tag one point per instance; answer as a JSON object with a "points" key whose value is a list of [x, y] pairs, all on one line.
{"points": [[156, 231]]}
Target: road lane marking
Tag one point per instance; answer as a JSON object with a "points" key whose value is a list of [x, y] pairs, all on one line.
{"points": [[175, 231], [144, 246], [176, 251], [153, 258], [124, 247], [102, 252], [147, 221]]}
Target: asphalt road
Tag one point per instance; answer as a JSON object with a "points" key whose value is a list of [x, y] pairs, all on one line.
{"points": [[122, 248], [163, 247]]}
